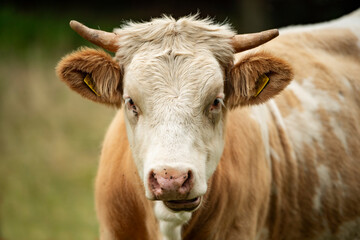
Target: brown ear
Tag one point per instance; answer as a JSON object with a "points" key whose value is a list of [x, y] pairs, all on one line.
{"points": [[256, 78], [102, 74]]}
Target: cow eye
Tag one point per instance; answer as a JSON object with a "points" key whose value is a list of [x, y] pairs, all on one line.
{"points": [[216, 102], [131, 105], [131, 102], [216, 105]]}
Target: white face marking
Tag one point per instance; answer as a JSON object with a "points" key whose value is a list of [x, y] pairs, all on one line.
{"points": [[176, 126]]}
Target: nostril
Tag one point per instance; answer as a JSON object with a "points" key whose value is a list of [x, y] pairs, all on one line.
{"points": [[187, 184], [170, 183]]}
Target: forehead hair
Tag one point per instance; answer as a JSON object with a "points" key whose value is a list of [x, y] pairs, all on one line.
{"points": [[171, 76], [187, 35]]}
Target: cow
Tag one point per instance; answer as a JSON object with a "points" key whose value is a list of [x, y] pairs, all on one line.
{"points": [[221, 135]]}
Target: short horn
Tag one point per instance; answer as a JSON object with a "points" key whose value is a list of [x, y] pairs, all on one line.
{"points": [[100, 38], [244, 42]]}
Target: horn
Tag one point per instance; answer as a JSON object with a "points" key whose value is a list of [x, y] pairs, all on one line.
{"points": [[100, 38], [244, 42]]}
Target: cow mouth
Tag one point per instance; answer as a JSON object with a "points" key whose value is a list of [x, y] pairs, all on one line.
{"points": [[183, 205]]}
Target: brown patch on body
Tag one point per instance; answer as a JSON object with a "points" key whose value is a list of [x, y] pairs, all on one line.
{"points": [[289, 102], [340, 204], [236, 204], [333, 67]]}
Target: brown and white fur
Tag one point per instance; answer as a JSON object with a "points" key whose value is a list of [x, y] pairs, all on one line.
{"points": [[269, 166]]}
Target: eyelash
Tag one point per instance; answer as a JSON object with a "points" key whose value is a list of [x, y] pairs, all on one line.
{"points": [[131, 106], [216, 105]]}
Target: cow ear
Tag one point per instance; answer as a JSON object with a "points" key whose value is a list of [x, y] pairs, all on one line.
{"points": [[255, 78], [93, 74]]}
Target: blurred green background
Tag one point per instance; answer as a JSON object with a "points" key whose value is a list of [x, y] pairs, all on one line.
{"points": [[50, 138]]}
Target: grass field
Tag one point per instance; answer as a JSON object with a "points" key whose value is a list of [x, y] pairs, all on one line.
{"points": [[50, 137]]}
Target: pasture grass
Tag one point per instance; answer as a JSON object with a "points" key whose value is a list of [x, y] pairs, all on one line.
{"points": [[50, 138]]}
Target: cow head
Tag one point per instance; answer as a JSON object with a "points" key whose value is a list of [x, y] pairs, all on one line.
{"points": [[175, 80]]}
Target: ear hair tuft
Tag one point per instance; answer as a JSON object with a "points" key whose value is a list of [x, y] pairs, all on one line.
{"points": [[104, 71], [242, 85]]}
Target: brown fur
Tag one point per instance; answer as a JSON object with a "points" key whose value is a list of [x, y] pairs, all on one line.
{"points": [[232, 207], [120, 198], [329, 62], [236, 204], [241, 83], [250, 194], [245, 194], [106, 73]]}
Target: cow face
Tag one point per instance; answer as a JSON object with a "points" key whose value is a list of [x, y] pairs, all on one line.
{"points": [[175, 121], [175, 80]]}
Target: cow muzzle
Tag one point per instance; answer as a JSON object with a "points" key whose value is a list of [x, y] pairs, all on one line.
{"points": [[173, 187]]}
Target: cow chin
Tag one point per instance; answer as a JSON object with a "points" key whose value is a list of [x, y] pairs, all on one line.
{"points": [[184, 205], [189, 204]]}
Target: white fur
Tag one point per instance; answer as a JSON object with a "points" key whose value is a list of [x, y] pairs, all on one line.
{"points": [[170, 222], [351, 21], [173, 73], [325, 179], [312, 99], [188, 35], [340, 134]]}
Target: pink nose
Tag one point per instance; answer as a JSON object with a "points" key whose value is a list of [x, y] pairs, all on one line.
{"points": [[170, 184]]}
